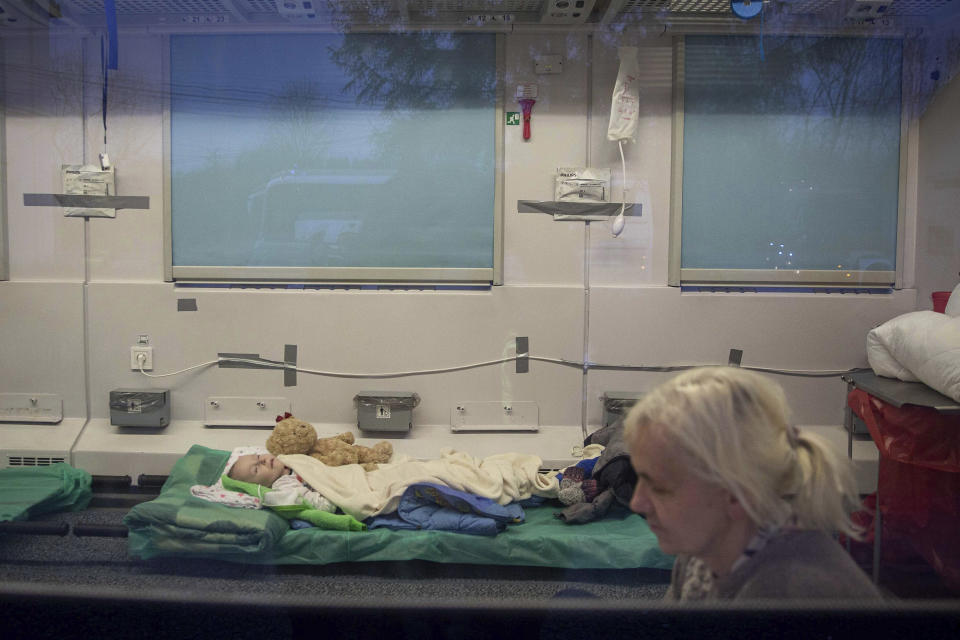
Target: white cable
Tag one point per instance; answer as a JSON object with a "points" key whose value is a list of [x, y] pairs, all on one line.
{"points": [[400, 374], [571, 363], [623, 165], [164, 375], [265, 364], [619, 222], [269, 364], [823, 373]]}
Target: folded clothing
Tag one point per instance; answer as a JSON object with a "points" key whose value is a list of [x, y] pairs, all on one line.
{"points": [[611, 480], [429, 506]]}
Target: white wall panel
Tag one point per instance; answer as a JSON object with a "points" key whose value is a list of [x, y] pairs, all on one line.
{"points": [[659, 326], [538, 250], [639, 254], [44, 130], [634, 319], [41, 344], [130, 247], [938, 224], [344, 331]]}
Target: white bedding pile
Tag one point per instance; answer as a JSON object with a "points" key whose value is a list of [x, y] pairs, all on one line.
{"points": [[920, 346], [504, 477]]}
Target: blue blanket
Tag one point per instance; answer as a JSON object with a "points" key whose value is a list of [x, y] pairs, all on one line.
{"points": [[436, 507]]}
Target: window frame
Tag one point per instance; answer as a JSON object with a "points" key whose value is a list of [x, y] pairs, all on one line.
{"points": [[4, 255], [678, 276], [467, 276]]}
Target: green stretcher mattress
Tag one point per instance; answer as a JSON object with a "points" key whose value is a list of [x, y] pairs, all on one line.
{"points": [[179, 524], [26, 492]]}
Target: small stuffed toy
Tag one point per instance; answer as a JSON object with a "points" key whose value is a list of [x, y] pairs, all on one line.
{"points": [[292, 435]]}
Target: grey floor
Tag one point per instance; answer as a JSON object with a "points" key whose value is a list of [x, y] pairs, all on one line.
{"points": [[89, 587], [74, 562]]}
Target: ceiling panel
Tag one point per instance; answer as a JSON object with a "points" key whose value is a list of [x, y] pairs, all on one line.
{"points": [[133, 13]]}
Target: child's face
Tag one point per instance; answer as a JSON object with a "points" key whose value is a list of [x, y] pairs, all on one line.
{"points": [[263, 469]]}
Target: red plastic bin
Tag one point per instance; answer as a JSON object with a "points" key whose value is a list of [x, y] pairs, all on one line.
{"points": [[919, 480]]}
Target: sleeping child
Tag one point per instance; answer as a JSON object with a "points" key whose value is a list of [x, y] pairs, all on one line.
{"points": [[502, 478], [254, 478], [287, 487]]}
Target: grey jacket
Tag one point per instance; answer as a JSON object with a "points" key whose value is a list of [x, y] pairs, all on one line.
{"points": [[794, 564], [613, 473]]}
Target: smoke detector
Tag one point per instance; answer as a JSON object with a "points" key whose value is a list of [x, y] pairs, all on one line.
{"points": [[566, 11]]}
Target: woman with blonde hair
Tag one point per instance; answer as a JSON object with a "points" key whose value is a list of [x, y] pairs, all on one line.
{"points": [[746, 501]]}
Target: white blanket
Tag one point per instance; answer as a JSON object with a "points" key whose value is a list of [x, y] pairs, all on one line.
{"points": [[918, 346], [504, 477]]}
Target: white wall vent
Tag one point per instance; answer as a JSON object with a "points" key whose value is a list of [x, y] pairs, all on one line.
{"points": [[33, 461]]}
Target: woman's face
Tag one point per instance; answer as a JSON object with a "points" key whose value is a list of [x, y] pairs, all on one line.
{"points": [[688, 515]]}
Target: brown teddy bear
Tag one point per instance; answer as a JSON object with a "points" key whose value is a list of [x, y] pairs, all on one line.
{"points": [[340, 450], [292, 435]]}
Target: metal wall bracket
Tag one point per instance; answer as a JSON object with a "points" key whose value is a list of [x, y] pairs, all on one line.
{"points": [[288, 365], [91, 202], [232, 411], [562, 210], [736, 355], [523, 347], [43, 408], [505, 415], [229, 364]]}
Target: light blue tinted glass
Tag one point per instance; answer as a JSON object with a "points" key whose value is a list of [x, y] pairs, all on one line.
{"points": [[333, 150], [791, 155]]}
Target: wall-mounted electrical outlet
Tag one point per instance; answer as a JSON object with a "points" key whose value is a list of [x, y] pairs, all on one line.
{"points": [[140, 354]]}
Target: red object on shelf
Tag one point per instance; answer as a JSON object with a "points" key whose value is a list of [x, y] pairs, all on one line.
{"points": [[940, 299], [918, 482], [527, 105]]}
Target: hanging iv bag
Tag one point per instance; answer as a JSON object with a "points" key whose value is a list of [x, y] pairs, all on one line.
{"points": [[625, 108], [624, 114]]}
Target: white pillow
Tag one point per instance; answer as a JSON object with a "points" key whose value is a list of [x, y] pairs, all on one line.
{"points": [[920, 345], [953, 304]]}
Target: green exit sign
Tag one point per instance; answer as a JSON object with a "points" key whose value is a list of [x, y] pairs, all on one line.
{"points": [[513, 117]]}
